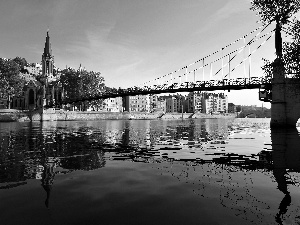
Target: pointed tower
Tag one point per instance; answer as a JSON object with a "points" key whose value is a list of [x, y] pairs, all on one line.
{"points": [[49, 88], [47, 60]]}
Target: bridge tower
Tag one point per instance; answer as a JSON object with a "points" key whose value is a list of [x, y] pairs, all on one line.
{"points": [[285, 105], [125, 103], [278, 105]]}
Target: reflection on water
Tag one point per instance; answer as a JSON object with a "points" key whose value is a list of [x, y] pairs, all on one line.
{"points": [[234, 165], [286, 160]]}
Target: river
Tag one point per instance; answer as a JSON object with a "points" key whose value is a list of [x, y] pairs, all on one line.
{"points": [[196, 171]]}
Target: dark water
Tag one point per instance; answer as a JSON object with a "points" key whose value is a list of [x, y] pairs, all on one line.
{"points": [[210, 171]]}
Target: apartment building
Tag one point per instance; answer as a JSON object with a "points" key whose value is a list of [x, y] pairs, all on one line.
{"points": [[154, 103], [194, 102], [138, 103], [214, 103], [231, 108], [162, 104], [112, 104], [175, 103]]}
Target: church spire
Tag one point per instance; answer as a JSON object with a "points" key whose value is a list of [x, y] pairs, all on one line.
{"points": [[47, 48], [47, 59]]}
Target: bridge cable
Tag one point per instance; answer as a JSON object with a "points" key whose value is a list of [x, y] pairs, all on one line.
{"points": [[253, 52], [239, 50], [244, 53], [249, 62], [212, 53]]}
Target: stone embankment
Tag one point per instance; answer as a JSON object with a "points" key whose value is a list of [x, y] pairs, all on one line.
{"points": [[176, 116], [213, 116], [10, 115]]}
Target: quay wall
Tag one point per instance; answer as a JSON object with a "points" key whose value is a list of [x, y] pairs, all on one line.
{"points": [[11, 115], [176, 116], [61, 115], [213, 116]]}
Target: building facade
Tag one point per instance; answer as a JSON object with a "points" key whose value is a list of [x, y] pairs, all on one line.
{"points": [[138, 103], [175, 104], [214, 103], [154, 103], [194, 102], [162, 104], [231, 108], [113, 105]]}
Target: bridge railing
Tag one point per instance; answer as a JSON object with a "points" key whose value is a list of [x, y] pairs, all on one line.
{"points": [[294, 75], [225, 84]]}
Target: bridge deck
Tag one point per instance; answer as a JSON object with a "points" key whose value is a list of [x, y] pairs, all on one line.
{"points": [[212, 85]]}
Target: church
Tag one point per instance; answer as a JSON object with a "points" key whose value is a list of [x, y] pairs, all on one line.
{"points": [[42, 88]]}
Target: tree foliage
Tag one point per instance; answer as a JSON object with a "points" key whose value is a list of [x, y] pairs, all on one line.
{"points": [[82, 84], [10, 80], [70, 83], [291, 52], [92, 83], [282, 12], [292, 49], [257, 112], [77, 84], [21, 62], [275, 10]]}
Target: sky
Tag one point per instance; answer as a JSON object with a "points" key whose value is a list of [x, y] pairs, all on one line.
{"points": [[129, 41]]}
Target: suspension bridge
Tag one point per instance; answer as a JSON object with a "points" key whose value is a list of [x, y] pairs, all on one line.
{"points": [[229, 68]]}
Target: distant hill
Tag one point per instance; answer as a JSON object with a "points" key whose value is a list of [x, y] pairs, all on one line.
{"points": [[254, 112]]}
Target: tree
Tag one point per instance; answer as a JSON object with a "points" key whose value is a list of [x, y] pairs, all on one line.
{"points": [[92, 83], [279, 11], [10, 80], [70, 83], [292, 50], [238, 108], [21, 62], [275, 10], [82, 85]]}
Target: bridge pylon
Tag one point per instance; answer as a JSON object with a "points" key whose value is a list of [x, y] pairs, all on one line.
{"points": [[125, 103], [278, 106], [285, 105]]}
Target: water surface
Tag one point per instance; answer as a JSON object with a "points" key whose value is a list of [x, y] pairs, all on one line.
{"points": [[203, 171]]}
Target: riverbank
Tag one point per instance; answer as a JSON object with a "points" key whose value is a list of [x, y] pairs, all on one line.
{"points": [[12, 115]]}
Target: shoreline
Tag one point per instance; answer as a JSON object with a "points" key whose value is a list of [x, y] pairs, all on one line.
{"points": [[13, 115]]}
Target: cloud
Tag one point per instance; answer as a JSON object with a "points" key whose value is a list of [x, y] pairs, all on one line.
{"points": [[226, 11], [232, 7]]}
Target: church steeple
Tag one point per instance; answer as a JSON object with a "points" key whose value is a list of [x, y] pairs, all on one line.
{"points": [[51, 89], [47, 59], [47, 48]]}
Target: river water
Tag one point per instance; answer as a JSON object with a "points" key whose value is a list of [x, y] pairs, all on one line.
{"points": [[197, 171]]}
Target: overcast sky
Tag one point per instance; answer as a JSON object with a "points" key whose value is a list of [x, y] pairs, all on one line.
{"points": [[128, 41]]}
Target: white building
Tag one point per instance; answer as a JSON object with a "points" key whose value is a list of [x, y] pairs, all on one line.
{"points": [[139, 103], [113, 104], [34, 69], [214, 103]]}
